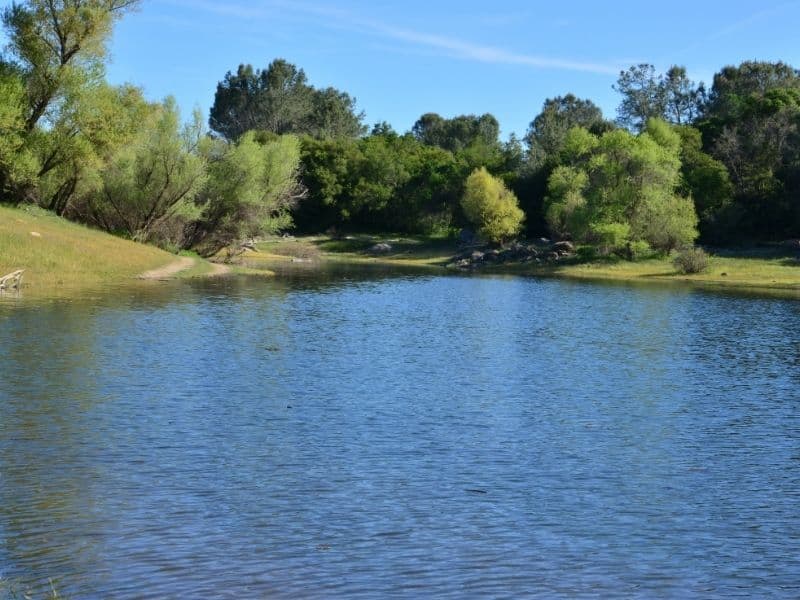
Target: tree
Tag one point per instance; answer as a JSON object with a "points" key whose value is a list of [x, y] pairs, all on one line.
{"points": [[56, 50], [18, 166], [154, 179], [683, 99], [547, 131], [94, 123], [333, 115], [752, 125], [491, 206], [252, 185], [383, 182], [643, 96], [54, 40], [619, 188], [280, 100], [733, 85], [458, 133], [706, 180]]}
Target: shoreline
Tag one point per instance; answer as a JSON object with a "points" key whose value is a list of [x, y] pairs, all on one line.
{"points": [[743, 270]]}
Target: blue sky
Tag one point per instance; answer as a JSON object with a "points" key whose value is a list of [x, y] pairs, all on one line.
{"points": [[401, 59]]}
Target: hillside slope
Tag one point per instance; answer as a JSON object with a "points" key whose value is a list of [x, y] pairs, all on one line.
{"points": [[57, 253]]}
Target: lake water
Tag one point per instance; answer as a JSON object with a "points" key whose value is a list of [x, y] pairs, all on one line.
{"points": [[404, 435]]}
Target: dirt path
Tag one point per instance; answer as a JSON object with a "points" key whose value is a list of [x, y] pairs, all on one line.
{"points": [[182, 264], [169, 270], [218, 269]]}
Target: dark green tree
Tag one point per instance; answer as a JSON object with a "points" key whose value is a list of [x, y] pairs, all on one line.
{"points": [[547, 131], [643, 96], [752, 124], [683, 98], [280, 100], [457, 133]]}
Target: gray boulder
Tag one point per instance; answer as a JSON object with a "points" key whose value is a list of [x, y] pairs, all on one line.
{"points": [[382, 248]]}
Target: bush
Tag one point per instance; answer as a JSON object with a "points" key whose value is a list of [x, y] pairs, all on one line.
{"points": [[610, 237], [639, 250], [691, 260], [491, 206]]}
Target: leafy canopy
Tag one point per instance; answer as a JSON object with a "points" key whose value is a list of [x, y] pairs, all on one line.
{"points": [[491, 207]]}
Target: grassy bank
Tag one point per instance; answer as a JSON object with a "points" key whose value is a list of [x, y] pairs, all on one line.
{"points": [[59, 256], [755, 268]]}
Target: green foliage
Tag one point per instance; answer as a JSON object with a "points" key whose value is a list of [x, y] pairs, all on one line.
{"points": [[645, 95], [279, 99], [706, 181], [379, 183], [752, 125], [152, 180], [610, 237], [565, 206], [55, 50], [18, 166], [252, 184], [691, 260], [638, 250], [666, 222], [458, 133], [548, 132], [491, 207], [621, 188], [57, 42]]}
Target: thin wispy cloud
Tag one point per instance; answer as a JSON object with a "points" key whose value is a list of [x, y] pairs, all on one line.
{"points": [[740, 25], [450, 47]]}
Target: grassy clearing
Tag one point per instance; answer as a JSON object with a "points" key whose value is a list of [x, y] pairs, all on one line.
{"points": [[405, 250], [757, 268], [59, 256], [739, 272]]}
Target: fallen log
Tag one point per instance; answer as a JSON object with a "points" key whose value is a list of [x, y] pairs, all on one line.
{"points": [[12, 281]]}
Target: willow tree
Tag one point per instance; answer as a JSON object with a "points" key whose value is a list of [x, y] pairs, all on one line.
{"points": [[154, 178], [252, 185], [619, 188]]}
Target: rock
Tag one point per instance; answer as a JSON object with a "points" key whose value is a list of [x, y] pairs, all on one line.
{"points": [[544, 241], [36, 234], [477, 256], [381, 248], [563, 247], [492, 256], [552, 256]]}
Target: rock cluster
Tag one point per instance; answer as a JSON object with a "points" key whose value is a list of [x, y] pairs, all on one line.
{"points": [[541, 252]]}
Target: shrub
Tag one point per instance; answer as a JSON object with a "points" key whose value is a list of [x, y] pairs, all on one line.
{"points": [[639, 250], [691, 260], [491, 206], [610, 237]]}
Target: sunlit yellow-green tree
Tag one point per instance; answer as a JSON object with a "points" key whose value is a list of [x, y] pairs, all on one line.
{"points": [[491, 207]]}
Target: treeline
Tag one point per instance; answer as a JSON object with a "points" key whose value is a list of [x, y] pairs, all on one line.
{"points": [[105, 156], [679, 161]]}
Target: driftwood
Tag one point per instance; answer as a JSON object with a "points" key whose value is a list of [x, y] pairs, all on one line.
{"points": [[12, 281]]}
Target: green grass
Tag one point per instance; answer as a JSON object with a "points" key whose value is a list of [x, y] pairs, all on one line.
{"points": [[738, 270], [769, 267], [65, 256]]}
